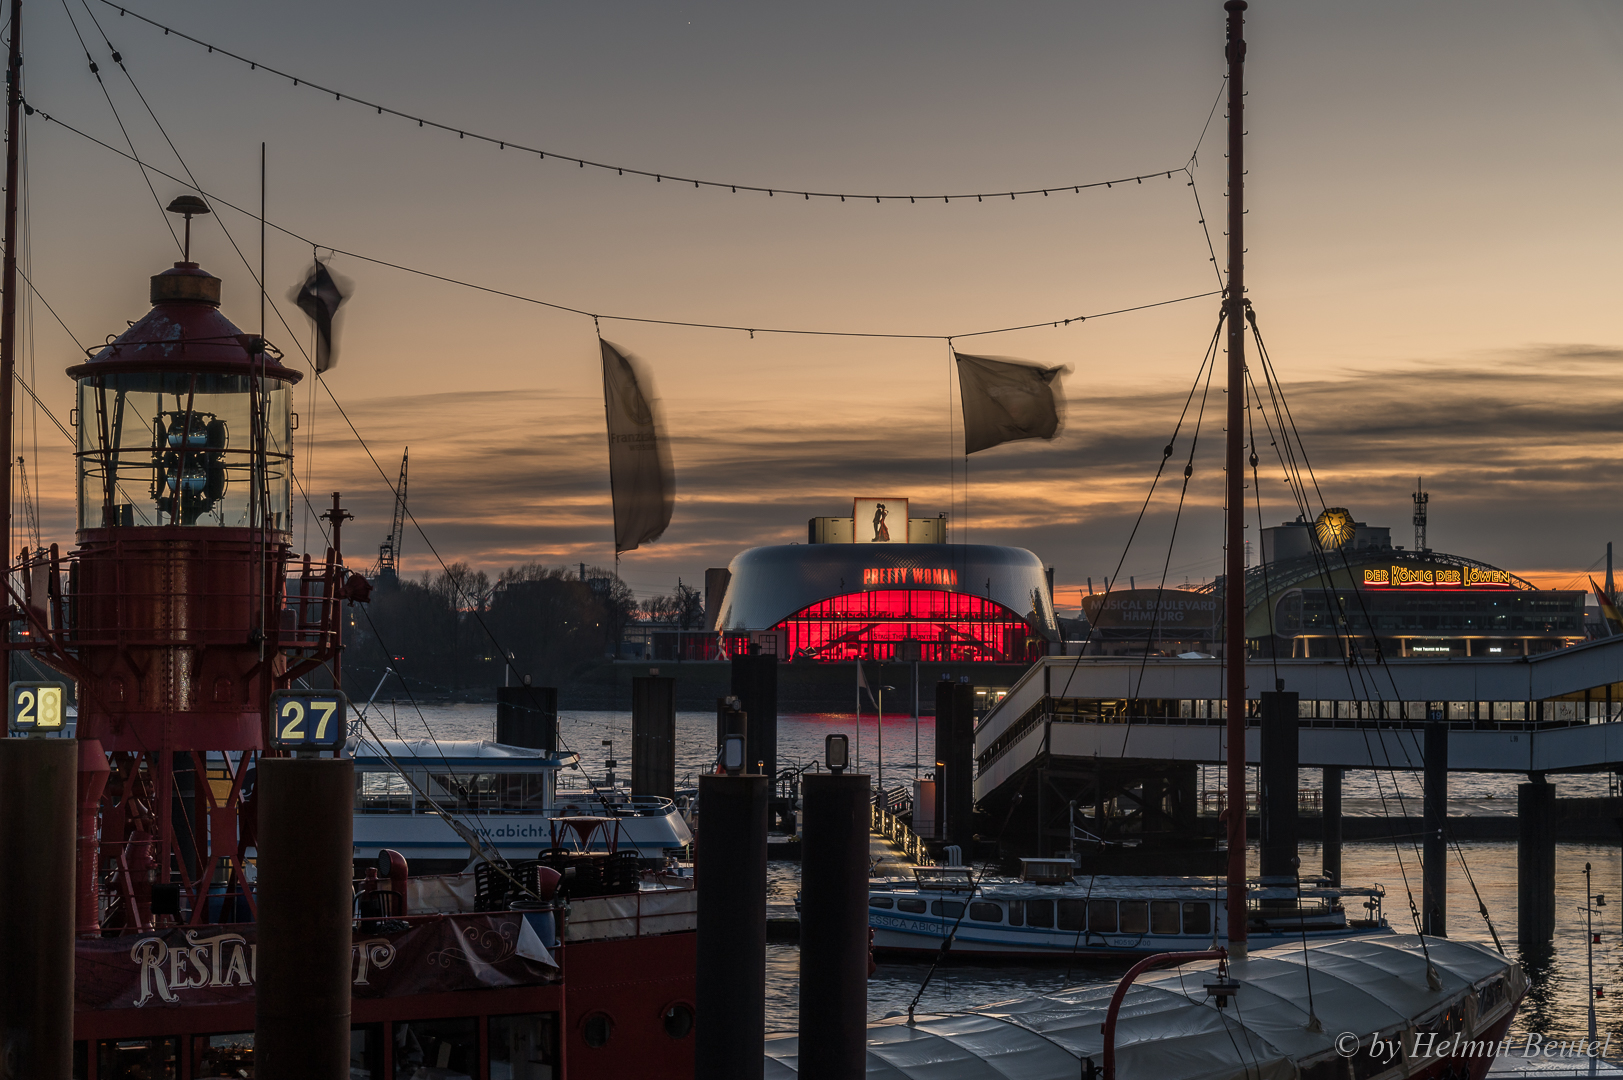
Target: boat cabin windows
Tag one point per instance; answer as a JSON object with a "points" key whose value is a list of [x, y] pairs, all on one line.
{"points": [[1017, 913], [1102, 916], [1073, 914], [446, 1048], [524, 1047], [1135, 916], [223, 1055], [138, 1059], [1163, 916], [981, 911], [1197, 917], [1040, 913], [914, 906], [949, 909], [380, 791], [881, 901]]}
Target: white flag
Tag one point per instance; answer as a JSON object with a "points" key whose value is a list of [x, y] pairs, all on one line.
{"points": [[641, 478], [1006, 401]]}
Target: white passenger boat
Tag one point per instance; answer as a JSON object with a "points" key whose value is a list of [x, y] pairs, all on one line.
{"points": [[507, 796], [1049, 914]]}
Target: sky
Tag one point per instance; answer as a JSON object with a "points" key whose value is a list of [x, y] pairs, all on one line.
{"points": [[1431, 239]]}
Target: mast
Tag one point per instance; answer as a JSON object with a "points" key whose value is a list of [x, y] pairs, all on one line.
{"points": [[8, 281], [1234, 642]]}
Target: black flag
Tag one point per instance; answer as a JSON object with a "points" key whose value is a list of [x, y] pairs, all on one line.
{"points": [[319, 297], [1005, 401]]}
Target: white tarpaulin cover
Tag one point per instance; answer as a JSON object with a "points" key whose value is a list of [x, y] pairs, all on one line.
{"points": [[1168, 1028]]}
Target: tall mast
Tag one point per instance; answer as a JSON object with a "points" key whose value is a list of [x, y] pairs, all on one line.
{"points": [[8, 275], [1234, 642]]}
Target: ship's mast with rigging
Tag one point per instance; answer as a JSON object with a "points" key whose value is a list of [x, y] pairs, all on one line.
{"points": [[1234, 640], [8, 283]]}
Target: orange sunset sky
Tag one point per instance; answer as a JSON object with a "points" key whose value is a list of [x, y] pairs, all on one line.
{"points": [[1433, 234]]}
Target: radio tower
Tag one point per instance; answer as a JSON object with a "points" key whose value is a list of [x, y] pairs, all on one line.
{"points": [[1420, 500]]}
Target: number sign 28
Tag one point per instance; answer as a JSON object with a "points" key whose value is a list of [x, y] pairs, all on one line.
{"points": [[308, 720], [37, 707]]}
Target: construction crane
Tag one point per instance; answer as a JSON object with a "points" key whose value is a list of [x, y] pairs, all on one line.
{"points": [[28, 505], [389, 551]]}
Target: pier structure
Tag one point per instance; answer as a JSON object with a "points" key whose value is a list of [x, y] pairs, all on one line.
{"points": [[1111, 725]]}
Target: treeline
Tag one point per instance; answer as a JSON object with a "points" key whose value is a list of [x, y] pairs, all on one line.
{"points": [[443, 632]]}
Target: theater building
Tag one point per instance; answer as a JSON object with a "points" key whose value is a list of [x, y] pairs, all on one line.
{"points": [[881, 586], [1333, 585]]}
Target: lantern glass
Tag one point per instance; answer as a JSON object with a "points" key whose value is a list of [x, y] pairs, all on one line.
{"points": [[178, 448]]}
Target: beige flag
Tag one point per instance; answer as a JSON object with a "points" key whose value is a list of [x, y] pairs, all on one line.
{"points": [[1006, 401], [641, 478]]}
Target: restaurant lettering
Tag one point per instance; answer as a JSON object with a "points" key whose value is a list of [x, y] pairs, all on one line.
{"points": [[908, 575], [165, 969]]}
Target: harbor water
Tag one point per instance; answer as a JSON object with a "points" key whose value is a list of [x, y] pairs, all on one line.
{"points": [[1482, 874]]}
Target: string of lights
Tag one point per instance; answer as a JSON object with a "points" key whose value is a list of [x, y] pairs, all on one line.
{"points": [[32, 110], [624, 170]]}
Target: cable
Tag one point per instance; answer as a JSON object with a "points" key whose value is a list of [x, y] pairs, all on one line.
{"points": [[621, 170], [751, 330]]}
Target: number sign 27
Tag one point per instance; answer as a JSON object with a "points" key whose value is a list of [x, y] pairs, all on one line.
{"points": [[308, 720]]}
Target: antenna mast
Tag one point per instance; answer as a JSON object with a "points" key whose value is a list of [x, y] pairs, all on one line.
{"points": [[1420, 501], [1234, 641]]}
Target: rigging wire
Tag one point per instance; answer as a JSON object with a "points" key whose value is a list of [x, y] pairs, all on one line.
{"points": [[624, 170], [744, 329]]}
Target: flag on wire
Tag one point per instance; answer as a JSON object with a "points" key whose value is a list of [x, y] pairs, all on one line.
{"points": [[1608, 611], [641, 478], [1005, 401], [320, 297], [862, 684]]}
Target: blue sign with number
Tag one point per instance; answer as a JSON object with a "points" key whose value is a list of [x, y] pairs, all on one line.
{"points": [[37, 708], [308, 720]]}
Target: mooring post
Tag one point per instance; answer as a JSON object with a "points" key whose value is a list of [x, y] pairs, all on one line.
{"points": [[1331, 798], [653, 736], [306, 911], [1277, 811], [1535, 862], [834, 927], [731, 972], [38, 783], [1434, 849]]}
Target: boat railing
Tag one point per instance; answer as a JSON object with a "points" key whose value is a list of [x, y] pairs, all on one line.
{"points": [[1308, 801], [899, 833], [569, 804]]}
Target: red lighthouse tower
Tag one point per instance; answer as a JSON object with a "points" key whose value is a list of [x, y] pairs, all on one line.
{"points": [[173, 614]]}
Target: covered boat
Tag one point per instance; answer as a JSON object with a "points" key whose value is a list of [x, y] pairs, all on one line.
{"points": [[1386, 1007]]}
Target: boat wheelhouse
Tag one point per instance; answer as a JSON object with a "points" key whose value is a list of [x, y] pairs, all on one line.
{"points": [[1099, 917], [409, 791]]}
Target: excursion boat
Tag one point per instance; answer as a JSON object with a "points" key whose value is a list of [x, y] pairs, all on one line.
{"points": [[1391, 1007], [1047, 914], [425, 797]]}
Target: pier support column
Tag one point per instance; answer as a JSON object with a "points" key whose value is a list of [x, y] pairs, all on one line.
{"points": [[1434, 849], [1535, 863], [306, 909], [834, 927], [1277, 809], [1332, 823], [731, 971], [653, 736], [955, 748], [38, 782]]}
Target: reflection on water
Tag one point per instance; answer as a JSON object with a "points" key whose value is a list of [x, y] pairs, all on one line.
{"points": [[1556, 1003]]}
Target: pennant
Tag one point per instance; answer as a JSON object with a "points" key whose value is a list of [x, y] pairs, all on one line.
{"points": [[641, 478], [862, 684], [319, 297], [1005, 401]]}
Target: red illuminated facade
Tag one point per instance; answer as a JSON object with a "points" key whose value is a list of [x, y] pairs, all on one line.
{"points": [[949, 627]]}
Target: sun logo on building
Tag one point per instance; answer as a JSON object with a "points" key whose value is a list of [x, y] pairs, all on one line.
{"points": [[1334, 527]]}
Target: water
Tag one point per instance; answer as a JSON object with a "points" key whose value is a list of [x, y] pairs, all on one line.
{"points": [[1555, 1006]]}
